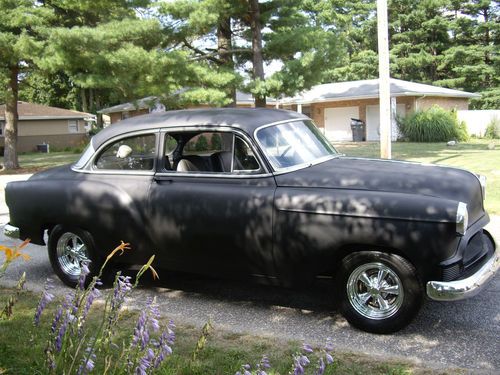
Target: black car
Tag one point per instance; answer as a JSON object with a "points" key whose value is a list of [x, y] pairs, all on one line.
{"points": [[260, 193]]}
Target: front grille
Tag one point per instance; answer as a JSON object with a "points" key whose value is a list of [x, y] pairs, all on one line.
{"points": [[451, 272], [479, 249]]}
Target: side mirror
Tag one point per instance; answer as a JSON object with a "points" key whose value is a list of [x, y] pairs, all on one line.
{"points": [[123, 151]]}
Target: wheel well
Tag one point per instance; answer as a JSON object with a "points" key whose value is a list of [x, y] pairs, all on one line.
{"points": [[345, 250]]}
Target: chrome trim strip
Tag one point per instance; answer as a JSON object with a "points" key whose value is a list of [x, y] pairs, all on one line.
{"points": [[11, 231], [337, 213], [211, 175], [469, 287]]}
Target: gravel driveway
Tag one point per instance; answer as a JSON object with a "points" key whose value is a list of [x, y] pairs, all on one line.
{"points": [[462, 334]]}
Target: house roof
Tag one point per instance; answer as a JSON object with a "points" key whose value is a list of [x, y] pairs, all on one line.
{"points": [[142, 103], [32, 111], [369, 89], [151, 101], [247, 119]]}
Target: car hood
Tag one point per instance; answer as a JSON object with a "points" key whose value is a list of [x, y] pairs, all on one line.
{"points": [[390, 176]]}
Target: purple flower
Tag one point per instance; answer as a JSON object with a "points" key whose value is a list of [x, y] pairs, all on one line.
{"points": [[84, 271], [62, 331], [307, 348], [263, 365], [329, 358], [329, 345], [167, 339], [44, 300], [321, 367], [141, 334], [87, 362], [145, 362], [122, 286], [154, 315], [93, 294]]}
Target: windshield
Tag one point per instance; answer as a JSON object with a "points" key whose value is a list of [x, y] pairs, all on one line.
{"points": [[294, 143]]}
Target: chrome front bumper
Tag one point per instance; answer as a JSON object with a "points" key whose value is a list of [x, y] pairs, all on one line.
{"points": [[11, 231], [469, 287]]}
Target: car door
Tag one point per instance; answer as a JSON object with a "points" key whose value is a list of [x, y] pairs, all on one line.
{"points": [[114, 194], [218, 220]]}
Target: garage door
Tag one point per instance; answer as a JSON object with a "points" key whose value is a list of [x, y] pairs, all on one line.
{"points": [[373, 122], [338, 123]]}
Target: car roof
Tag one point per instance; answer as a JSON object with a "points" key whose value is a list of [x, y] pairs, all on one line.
{"points": [[246, 119]]}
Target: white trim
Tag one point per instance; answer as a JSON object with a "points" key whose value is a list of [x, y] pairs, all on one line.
{"points": [[25, 118], [362, 97]]}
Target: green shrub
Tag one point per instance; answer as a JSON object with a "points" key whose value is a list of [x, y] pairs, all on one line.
{"points": [[433, 125], [493, 129], [216, 142], [201, 143]]}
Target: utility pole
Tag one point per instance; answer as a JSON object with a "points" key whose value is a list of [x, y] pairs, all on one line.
{"points": [[384, 80]]}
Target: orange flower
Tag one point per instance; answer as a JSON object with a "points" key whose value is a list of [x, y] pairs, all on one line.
{"points": [[122, 247], [14, 253]]}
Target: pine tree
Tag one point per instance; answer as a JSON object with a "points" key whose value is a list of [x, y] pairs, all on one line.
{"points": [[20, 43]]}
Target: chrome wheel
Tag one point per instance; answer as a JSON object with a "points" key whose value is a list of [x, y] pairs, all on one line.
{"points": [[71, 252], [375, 291]]}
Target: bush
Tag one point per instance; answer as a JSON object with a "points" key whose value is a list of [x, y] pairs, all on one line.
{"points": [[201, 143], [433, 125], [493, 129], [216, 142]]}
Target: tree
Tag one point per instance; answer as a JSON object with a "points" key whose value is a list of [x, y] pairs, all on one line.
{"points": [[19, 45], [262, 32]]}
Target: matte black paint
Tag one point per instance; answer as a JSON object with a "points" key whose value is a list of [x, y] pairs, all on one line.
{"points": [[284, 227]]}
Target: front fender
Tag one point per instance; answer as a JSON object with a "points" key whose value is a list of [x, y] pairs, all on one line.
{"points": [[314, 227]]}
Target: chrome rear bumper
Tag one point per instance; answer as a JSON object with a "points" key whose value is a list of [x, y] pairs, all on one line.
{"points": [[11, 231], [469, 287]]}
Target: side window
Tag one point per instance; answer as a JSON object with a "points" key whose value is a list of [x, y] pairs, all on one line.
{"points": [[135, 153], [72, 126], [244, 158], [213, 152]]}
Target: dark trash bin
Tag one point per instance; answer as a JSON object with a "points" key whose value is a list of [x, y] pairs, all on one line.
{"points": [[358, 130], [43, 148]]}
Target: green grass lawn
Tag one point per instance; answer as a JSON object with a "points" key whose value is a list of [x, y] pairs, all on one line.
{"points": [[32, 162], [473, 156], [22, 347]]}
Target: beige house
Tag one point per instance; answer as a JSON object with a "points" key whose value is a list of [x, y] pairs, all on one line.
{"points": [[40, 124], [333, 105]]}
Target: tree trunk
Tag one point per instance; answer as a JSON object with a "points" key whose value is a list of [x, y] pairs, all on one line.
{"points": [[258, 60], [224, 46], [11, 116], [85, 104], [91, 101]]}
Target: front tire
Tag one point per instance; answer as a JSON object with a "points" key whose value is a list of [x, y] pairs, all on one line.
{"points": [[380, 292], [68, 248]]}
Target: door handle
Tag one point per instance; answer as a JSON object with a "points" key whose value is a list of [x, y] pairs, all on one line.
{"points": [[160, 179]]}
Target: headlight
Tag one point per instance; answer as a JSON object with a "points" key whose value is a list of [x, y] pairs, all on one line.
{"points": [[482, 181], [462, 218]]}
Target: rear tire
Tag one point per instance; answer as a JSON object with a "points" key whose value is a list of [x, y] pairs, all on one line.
{"points": [[380, 292], [68, 247]]}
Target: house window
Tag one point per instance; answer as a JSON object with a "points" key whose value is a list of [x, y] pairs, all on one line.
{"points": [[73, 126], [1, 128], [125, 115]]}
